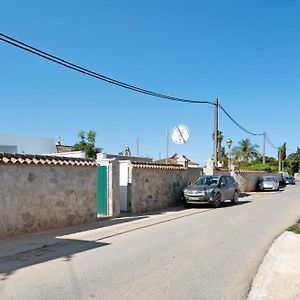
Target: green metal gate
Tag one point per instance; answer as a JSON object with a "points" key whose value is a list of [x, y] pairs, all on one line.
{"points": [[102, 191]]}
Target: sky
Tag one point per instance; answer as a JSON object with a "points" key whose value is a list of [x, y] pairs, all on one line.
{"points": [[246, 53]]}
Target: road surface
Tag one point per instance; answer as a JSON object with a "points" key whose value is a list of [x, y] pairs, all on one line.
{"points": [[208, 254]]}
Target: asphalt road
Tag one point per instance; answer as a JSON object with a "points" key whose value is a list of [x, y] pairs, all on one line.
{"points": [[213, 254]]}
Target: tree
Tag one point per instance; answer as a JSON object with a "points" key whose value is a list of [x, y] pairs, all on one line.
{"points": [[222, 156], [245, 151], [293, 161], [86, 143], [221, 150]]}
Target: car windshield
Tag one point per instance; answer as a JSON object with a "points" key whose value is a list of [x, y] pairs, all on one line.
{"points": [[268, 179], [207, 180]]}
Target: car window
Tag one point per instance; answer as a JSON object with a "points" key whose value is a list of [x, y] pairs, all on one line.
{"points": [[207, 180], [223, 181], [230, 180], [269, 178]]}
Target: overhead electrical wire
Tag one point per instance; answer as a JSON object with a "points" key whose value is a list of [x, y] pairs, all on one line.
{"points": [[237, 124], [107, 79], [270, 142], [85, 71]]}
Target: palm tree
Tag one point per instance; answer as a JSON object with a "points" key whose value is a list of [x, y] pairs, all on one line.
{"points": [[245, 151]]}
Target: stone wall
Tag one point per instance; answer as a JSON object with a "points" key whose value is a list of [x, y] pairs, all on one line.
{"points": [[153, 189], [248, 180], [40, 197]]}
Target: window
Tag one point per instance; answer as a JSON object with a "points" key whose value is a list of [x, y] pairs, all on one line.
{"points": [[223, 181]]}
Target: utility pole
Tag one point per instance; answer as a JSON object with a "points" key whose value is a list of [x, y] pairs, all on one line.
{"points": [[279, 159], [216, 129], [137, 147], [264, 148], [167, 147]]}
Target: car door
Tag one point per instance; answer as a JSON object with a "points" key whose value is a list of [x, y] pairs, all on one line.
{"points": [[223, 188], [231, 187]]}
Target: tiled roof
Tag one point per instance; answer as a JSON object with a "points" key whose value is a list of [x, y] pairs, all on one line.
{"points": [[27, 159], [174, 160], [143, 165]]}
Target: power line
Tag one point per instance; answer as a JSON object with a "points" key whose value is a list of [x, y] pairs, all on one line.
{"points": [[110, 80], [237, 124], [270, 142], [88, 72]]}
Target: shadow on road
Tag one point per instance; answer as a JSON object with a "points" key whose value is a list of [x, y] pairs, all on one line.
{"points": [[241, 202], [64, 249], [223, 205], [40, 247]]}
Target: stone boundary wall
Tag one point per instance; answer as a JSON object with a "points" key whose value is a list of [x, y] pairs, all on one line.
{"points": [[248, 180], [36, 197], [155, 187]]}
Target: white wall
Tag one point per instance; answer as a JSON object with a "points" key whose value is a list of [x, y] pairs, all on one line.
{"points": [[26, 144], [124, 180], [74, 154]]}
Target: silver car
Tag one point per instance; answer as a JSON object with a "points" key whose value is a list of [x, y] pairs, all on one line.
{"points": [[269, 183], [211, 189]]}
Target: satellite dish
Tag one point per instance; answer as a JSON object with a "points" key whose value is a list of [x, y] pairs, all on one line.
{"points": [[180, 134]]}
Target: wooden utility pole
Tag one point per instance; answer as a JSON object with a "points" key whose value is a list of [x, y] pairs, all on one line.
{"points": [[279, 159], [216, 129], [264, 148]]}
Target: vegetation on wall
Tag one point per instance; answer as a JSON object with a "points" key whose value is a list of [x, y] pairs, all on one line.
{"points": [[86, 143]]}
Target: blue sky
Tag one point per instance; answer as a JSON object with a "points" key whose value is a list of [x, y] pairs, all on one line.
{"points": [[246, 53]]}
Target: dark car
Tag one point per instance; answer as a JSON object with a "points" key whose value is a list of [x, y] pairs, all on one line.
{"points": [[213, 190], [290, 180]]}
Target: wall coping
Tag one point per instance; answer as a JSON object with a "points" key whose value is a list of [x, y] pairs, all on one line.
{"points": [[252, 171], [29, 159], [142, 165]]}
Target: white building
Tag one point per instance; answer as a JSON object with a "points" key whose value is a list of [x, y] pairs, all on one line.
{"points": [[13, 143]]}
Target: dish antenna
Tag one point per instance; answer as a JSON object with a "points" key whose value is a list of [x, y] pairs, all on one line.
{"points": [[180, 134]]}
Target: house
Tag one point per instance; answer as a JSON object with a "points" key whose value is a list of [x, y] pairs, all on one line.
{"points": [[194, 169], [23, 144]]}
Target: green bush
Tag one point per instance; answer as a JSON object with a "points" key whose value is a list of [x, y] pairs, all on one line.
{"points": [[257, 166], [295, 228]]}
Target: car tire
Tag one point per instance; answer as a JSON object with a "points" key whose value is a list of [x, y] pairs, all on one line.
{"points": [[235, 199], [185, 204], [217, 200]]}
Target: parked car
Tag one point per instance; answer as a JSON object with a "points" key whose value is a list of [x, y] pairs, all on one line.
{"points": [[290, 180], [211, 189], [270, 183]]}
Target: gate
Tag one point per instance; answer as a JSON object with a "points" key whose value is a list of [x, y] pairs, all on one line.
{"points": [[102, 190]]}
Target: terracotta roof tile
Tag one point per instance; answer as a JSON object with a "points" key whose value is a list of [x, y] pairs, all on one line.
{"points": [[28, 159], [143, 165]]}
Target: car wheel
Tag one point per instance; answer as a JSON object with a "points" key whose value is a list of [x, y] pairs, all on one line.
{"points": [[235, 198], [185, 204], [217, 200]]}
